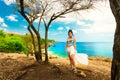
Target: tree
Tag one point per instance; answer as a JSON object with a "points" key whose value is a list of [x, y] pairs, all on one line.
{"points": [[115, 70], [47, 11], [30, 17]]}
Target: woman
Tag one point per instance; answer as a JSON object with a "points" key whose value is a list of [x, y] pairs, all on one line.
{"points": [[71, 47]]}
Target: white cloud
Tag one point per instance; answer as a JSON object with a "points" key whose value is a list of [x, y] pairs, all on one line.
{"points": [[25, 26], [83, 23], [67, 28], [80, 22], [4, 25], [60, 28], [74, 31], [103, 19], [1, 20], [12, 17], [8, 2]]}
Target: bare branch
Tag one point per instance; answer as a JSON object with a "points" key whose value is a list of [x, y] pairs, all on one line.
{"points": [[41, 16], [44, 22], [73, 8]]}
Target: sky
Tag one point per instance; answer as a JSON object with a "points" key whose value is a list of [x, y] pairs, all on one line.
{"points": [[94, 25]]}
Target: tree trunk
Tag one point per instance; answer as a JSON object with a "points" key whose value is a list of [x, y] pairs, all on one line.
{"points": [[39, 40], [39, 46], [46, 45], [33, 40], [46, 37], [37, 55], [115, 70]]}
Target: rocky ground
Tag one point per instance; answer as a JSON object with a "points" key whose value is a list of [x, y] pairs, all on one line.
{"points": [[15, 66]]}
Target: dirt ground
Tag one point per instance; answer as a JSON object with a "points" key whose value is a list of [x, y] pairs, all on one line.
{"points": [[15, 66]]}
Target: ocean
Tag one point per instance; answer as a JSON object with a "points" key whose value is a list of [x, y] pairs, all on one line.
{"points": [[103, 49]]}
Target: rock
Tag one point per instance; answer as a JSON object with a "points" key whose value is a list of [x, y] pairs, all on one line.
{"points": [[81, 74]]}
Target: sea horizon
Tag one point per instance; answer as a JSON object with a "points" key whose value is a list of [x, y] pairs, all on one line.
{"points": [[103, 49]]}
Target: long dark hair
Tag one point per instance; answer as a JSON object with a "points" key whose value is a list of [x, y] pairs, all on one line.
{"points": [[70, 31]]}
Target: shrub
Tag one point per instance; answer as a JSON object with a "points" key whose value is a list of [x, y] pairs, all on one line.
{"points": [[2, 34], [12, 44]]}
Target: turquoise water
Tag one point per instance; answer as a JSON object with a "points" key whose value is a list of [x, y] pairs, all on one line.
{"points": [[91, 48]]}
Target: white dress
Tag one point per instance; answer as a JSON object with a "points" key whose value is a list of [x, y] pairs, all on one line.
{"points": [[81, 58]]}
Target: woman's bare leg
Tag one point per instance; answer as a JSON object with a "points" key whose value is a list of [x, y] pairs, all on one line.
{"points": [[73, 60], [70, 60], [73, 63]]}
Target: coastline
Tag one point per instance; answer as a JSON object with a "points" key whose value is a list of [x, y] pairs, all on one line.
{"points": [[90, 48], [51, 53]]}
